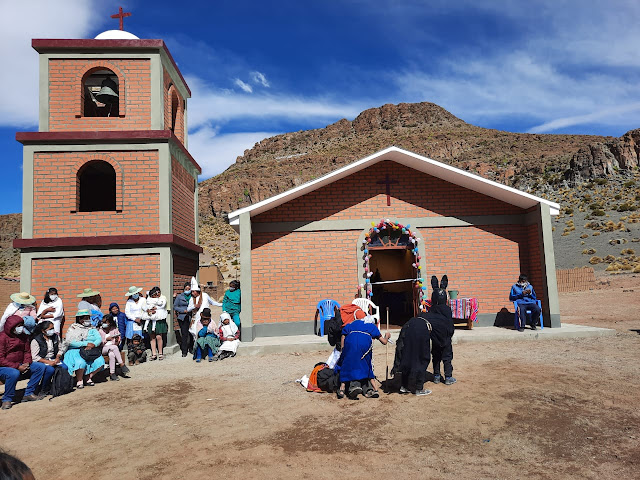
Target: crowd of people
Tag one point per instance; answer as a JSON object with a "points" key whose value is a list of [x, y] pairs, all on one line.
{"points": [[33, 343]]}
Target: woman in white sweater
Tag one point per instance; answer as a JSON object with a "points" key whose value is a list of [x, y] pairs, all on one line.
{"points": [[51, 309]]}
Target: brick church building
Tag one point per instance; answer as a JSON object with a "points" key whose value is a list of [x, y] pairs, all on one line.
{"points": [[317, 241], [109, 187]]}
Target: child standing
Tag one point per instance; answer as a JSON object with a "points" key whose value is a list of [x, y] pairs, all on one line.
{"points": [[111, 346], [207, 341], [156, 321], [136, 351]]}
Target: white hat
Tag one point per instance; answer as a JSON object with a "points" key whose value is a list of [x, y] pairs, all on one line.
{"points": [[194, 284], [225, 316]]}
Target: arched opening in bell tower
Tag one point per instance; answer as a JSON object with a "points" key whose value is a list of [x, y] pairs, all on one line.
{"points": [[101, 93], [96, 187]]}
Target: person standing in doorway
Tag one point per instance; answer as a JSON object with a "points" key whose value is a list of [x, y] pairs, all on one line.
{"points": [[180, 305]]}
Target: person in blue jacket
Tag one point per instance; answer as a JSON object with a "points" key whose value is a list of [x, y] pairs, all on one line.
{"points": [[524, 296], [121, 321]]}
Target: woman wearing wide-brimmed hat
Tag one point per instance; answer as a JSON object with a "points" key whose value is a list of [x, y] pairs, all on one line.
{"points": [[22, 305], [91, 301], [134, 310], [81, 349]]}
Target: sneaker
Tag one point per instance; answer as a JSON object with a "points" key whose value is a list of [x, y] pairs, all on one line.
{"points": [[436, 378], [211, 359], [114, 377], [423, 392], [6, 405], [32, 398], [124, 369], [521, 329], [354, 392], [404, 391], [198, 360], [449, 381]]}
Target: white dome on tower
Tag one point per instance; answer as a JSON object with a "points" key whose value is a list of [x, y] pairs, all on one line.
{"points": [[116, 35]]}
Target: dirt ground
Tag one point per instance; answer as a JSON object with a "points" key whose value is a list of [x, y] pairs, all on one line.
{"points": [[536, 410]]}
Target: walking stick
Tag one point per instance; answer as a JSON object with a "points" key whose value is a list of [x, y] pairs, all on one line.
{"points": [[387, 352]]}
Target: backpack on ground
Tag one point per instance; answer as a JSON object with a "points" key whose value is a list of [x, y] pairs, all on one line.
{"points": [[328, 380], [61, 382]]}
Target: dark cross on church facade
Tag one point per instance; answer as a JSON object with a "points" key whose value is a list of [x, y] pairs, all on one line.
{"points": [[121, 16], [387, 181]]}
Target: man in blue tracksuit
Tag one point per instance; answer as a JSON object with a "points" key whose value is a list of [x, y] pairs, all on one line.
{"points": [[524, 296]]}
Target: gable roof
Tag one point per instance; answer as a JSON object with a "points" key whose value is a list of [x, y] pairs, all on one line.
{"points": [[437, 169]]}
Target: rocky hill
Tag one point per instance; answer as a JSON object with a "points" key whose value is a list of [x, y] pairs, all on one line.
{"points": [[595, 179], [10, 229]]}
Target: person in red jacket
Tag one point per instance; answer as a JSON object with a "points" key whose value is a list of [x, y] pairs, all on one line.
{"points": [[15, 360]]}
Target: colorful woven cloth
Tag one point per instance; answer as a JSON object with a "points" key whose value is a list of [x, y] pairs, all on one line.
{"points": [[462, 308]]}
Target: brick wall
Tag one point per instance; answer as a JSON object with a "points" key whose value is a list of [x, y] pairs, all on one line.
{"points": [[173, 99], [292, 272], [480, 261], [183, 187], [576, 279], [416, 195], [55, 195], [111, 275], [66, 94]]}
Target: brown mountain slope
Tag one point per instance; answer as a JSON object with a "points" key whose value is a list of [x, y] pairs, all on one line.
{"points": [[10, 229], [281, 162]]}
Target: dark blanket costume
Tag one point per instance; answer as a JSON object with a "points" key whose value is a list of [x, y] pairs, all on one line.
{"points": [[440, 318], [413, 353]]}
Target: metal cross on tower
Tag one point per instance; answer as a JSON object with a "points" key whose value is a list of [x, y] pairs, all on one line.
{"points": [[121, 16]]}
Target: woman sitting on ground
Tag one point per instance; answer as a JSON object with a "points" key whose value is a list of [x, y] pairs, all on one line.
{"points": [[51, 309], [111, 346], [229, 335], [355, 364], [207, 341], [45, 349], [82, 336]]}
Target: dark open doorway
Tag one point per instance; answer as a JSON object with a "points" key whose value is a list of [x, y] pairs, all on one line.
{"points": [[390, 264]]}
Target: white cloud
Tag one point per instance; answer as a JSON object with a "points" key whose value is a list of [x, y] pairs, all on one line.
{"points": [[211, 106], [244, 86], [260, 78], [517, 85], [35, 19], [215, 152]]}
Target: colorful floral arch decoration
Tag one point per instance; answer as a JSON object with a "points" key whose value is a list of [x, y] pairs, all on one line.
{"points": [[386, 233]]}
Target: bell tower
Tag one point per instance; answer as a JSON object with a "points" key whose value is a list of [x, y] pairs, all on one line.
{"points": [[109, 188]]}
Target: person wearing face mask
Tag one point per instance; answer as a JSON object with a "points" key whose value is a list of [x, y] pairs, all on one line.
{"points": [[51, 309], [134, 310], [21, 305], [524, 296], [198, 302], [82, 336], [121, 321], [180, 305], [15, 360], [45, 350], [231, 302], [110, 346]]}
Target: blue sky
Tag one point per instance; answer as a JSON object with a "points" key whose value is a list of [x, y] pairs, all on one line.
{"points": [[261, 68]]}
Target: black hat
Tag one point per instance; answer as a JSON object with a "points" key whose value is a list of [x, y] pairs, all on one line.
{"points": [[206, 312]]}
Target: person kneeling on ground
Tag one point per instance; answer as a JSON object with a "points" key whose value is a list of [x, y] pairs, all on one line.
{"points": [[229, 334], [45, 350], [135, 351], [207, 341], [111, 346], [81, 350], [15, 360], [355, 364], [524, 296], [440, 318]]}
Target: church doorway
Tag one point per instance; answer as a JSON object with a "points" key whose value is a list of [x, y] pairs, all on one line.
{"points": [[392, 271]]}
